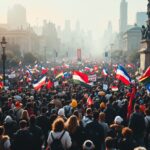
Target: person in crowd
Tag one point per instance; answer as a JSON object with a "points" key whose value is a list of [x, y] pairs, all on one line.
{"points": [[43, 122], [75, 131], [23, 138], [18, 110], [140, 148], [10, 126], [110, 113], [109, 143], [127, 141], [4, 140], [38, 137], [95, 131], [88, 145], [147, 131], [25, 116], [88, 117], [58, 132], [103, 123], [137, 124]]}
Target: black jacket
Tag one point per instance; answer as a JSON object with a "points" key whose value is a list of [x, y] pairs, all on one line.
{"points": [[95, 132]]}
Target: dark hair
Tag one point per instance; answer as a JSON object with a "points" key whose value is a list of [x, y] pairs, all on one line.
{"points": [[32, 119], [88, 111], [96, 115], [147, 111], [136, 107], [58, 125], [23, 124], [109, 142]]}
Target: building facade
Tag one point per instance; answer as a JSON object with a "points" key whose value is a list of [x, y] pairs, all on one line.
{"points": [[132, 39], [26, 40]]}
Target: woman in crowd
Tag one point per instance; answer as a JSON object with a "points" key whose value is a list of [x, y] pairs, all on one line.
{"points": [[75, 131], [4, 140], [58, 132]]}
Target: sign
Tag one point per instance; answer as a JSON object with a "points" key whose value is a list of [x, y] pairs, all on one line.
{"points": [[105, 87], [11, 76], [79, 54], [56, 84], [92, 78]]}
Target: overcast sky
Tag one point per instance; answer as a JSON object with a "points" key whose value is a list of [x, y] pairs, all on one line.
{"points": [[92, 14]]}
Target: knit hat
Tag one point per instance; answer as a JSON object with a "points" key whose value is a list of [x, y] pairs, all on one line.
{"points": [[118, 120], [74, 103], [88, 145], [18, 104], [102, 105], [61, 112], [8, 119]]}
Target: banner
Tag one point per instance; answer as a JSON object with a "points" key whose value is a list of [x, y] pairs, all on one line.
{"points": [[92, 78], [11, 76]]}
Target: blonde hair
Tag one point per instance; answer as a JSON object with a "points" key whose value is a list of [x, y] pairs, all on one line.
{"points": [[72, 124], [25, 115]]}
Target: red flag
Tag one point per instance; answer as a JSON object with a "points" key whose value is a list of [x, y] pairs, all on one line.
{"points": [[90, 101], [49, 84], [44, 70], [95, 68], [1, 85], [130, 107]]}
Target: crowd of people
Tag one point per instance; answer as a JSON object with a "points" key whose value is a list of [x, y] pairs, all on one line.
{"points": [[60, 118]]}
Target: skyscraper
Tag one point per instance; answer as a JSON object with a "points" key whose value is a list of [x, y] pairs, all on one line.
{"points": [[141, 18], [123, 16], [16, 17]]}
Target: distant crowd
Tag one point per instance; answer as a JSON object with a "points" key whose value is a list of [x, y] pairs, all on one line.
{"points": [[61, 117]]}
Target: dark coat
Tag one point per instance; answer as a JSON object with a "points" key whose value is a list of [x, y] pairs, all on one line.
{"points": [[137, 124], [95, 132]]}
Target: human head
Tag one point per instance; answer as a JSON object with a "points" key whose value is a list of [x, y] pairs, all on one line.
{"points": [[32, 120], [109, 142], [88, 145], [136, 107], [140, 148], [126, 132], [118, 120], [23, 124], [96, 115], [25, 115], [58, 125], [72, 124], [89, 112], [102, 116]]}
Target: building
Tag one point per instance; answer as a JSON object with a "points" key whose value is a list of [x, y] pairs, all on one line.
{"points": [[132, 39], [123, 16], [16, 17], [141, 18], [26, 40]]}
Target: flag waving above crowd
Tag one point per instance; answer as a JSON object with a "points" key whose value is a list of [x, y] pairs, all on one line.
{"points": [[122, 75]]}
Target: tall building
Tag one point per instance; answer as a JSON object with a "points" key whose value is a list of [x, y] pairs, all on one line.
{"points": [[123, 16], [16, 17], [141, 18]]}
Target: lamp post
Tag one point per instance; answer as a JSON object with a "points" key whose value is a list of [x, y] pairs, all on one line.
{"points": [[3, 44]]}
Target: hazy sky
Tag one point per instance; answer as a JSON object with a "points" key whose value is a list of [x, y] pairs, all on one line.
{"points": [[92, 14]]}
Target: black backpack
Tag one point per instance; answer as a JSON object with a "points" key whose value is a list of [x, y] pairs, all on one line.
{"points": [[56, 144]]}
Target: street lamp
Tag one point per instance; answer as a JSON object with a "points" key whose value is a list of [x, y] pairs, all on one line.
{"points": [[3, 44]]}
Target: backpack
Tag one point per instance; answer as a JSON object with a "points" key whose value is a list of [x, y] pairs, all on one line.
{"points": [[56, 144]]}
